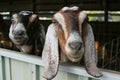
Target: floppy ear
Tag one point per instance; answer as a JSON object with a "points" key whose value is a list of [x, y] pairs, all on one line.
{"points": [[50, 55], [32, 18], [15, 17], [90, 54]]}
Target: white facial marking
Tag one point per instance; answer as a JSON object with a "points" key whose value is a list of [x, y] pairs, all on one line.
{"points": [[74, 8], [74, 37], [25, 13], [65, 8], [71, 54], [60, 18], [20, 26], [17, 27]]}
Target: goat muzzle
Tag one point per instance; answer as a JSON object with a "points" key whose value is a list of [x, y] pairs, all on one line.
{"points": [[19, 34], [75, 45]]}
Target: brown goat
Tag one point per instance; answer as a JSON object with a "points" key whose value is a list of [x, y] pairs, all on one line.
{"points": [[71, 32]]}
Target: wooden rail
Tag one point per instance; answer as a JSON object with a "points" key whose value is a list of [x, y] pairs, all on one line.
{"points": [[20, 66]]}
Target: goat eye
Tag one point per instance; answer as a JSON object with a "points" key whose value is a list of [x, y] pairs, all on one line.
{"points": [[13, 21], [55, 22]]}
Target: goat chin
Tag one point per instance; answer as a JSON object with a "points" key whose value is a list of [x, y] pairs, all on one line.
{"points": [[19, 41], [75, 59], [74, 55]]}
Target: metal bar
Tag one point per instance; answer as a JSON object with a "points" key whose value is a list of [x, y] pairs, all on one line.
{"points": [[117, 48], [34, 5], [103, 57], [105, 6], [105, 3], [111, 51]]}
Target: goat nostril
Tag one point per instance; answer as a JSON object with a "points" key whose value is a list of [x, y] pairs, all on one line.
{"points": [[19, 33], [75, 45]]}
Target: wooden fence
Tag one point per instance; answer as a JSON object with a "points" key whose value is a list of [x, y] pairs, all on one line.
{"points": [[19, 66]]}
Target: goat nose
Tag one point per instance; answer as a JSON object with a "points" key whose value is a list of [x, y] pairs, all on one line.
{"points": [[75, 45], [19, 33]]}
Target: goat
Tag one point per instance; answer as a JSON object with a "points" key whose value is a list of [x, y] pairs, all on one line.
{"points": [[69, 37], [27, 33]]}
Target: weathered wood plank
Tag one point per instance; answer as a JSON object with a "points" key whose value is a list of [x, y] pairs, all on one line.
{"points": [[1, 74], [20, 70], [8, 69], [76, 77], [2, 68], [20, 66]]}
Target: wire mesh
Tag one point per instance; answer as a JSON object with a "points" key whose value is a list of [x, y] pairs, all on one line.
{"points": [[109, 55]]}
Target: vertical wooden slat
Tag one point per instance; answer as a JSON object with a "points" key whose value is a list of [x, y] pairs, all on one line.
{"points": [[1, 75], [8, 69], [2, 67], [61, 76], [20, 70], [35, 72], [40, 73]]}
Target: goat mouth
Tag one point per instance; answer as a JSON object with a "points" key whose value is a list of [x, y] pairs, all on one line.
{"points": [[18, 38], [19, 41], [74, 58]]}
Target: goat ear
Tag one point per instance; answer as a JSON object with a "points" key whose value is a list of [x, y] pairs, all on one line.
{"points": [[82, 17], [90, 51], [50, 53], [15, 17], [32, 18]]}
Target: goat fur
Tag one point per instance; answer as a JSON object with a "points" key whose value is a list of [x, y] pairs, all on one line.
{"points": [[32, 39], [60, 35]]}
